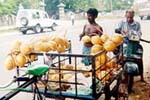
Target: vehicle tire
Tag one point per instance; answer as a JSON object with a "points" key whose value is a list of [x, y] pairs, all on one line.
{"points": [[148, 17], [37, 28], [24, 32], [42, 30], [54, 24], [52, 28], [141, 17], [24, 21]]}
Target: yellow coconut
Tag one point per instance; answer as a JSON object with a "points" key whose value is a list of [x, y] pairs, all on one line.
{"points": [[39, 47], [26, 48], [54, 77], [104, 37], [102, 58], [109, 46], [98, 75], [107, 76], [10, 62], [111, 64], [68, 66], [97, 64], [86, 39], [96, 40], [60, 49], [59, 41], [15, 46], [66, 43], [117, 38], [104, 76], [47, 46], [78, 67], [20, 60], [53, 45], [67, 76], [96, 48], [32, 58]]}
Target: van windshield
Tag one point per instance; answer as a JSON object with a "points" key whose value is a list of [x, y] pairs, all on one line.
{"points": [[44, 15]]}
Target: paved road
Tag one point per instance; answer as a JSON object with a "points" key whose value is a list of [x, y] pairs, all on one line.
{"points": [[72, 34]]}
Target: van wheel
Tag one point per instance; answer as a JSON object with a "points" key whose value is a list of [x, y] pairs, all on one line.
{"points": [[24, 32], [141, 17], [37, 28]]}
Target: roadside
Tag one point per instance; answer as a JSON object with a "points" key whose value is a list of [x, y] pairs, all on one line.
{"points": [[6, 29], [13, 28]]}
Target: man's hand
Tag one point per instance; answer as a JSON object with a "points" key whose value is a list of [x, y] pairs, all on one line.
{"points": [[125, 31], [99, 30], [80, 36]]}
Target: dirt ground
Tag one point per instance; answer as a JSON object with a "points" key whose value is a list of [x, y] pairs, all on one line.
{"points": [[141, 90]]}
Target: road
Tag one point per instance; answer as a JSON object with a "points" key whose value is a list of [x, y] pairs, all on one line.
{"points": [[72, 34]]}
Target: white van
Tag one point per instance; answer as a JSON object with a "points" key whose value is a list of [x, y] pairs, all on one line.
{"points": [[33, 19]]}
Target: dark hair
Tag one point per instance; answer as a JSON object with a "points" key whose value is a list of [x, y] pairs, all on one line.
{"points": [[130, 11], [93, 12]]}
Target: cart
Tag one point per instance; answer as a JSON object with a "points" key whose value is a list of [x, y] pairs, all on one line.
{"points": [[78, 87]]}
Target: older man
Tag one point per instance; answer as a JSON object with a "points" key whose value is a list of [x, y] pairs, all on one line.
{"points": [[125, 27]]}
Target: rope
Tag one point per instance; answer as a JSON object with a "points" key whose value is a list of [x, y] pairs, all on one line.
{"points": [[7, 85]]}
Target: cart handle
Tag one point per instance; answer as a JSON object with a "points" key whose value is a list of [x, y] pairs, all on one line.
{"points": [[144, 40]]}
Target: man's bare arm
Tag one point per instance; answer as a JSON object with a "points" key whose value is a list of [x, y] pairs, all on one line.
{"points": [[99, 30], [83, 33]]}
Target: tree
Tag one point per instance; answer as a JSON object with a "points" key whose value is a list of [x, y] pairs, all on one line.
{"points": [[71, 5], [51, 6], [11, 6], [117, 4]]}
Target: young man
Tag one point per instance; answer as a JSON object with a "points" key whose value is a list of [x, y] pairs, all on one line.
{"points": [[127, 25], [90, 29]]}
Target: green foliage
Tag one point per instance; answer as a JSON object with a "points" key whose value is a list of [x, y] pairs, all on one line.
{"points": [[117, 4], [71, 5], [51, 6], [11, 6]]}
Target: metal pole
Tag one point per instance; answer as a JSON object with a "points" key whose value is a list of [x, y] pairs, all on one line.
{"points": [[9, 95]]}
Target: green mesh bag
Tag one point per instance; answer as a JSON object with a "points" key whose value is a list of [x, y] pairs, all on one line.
{"points": [[37, 70]]}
